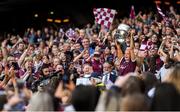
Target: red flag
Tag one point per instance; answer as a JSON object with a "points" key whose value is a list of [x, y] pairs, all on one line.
{"points": [[132, 13]]}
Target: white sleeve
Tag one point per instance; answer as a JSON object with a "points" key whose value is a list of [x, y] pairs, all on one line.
{"points": [[25, 77]]}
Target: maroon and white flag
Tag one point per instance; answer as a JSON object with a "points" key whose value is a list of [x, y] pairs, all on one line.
{"points": [[160, 11], [162, 14], [132, 13], [104, 16]]}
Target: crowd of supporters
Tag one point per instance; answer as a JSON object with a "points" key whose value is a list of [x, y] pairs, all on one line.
{"points": [[50, 69]]}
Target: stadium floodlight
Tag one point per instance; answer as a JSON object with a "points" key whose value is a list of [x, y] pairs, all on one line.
{"points": [[57, 21], [49, 20], [36, 15]]}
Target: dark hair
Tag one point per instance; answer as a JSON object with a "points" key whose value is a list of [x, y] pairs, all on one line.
{"points": [[84, 98], [43, 67], [152, 64], [150, 80], [86, 38], [166, 98], [155, 24], [76, 52], [3, 100], [107, 46], [2, 66], [46, 56], [109, 62], [55, 44], [73, 74], [133, 85]]}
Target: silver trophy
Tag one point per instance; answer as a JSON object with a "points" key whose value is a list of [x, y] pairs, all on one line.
{"points": [[122, 32]]}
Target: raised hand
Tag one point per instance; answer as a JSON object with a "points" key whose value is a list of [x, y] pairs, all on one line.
{"points": [[4, 43]]}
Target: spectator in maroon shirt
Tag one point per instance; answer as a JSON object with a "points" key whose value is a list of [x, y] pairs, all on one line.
{"points": [[96, 63], [128, 62], [127, 65]]}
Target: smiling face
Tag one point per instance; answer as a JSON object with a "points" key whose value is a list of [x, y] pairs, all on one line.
{"points": [[55, 50], [82, 33], [168, 30], [127, 55], [63, 57], [31, 50], [29, 64], [145, 30], [87, 69], [136, 45], [77, 46], [56, 61], [154, 38], [107, 67], [85, 43], [67, 47]]}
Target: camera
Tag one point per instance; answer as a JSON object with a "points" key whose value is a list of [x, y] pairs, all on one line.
{"points": [[56, 74], [39, 85], [44, 83]]}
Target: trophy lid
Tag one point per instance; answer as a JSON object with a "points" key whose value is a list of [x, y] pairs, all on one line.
{"points": [[123, 27]]}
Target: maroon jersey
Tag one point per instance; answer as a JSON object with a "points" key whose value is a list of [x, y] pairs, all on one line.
{"points": [[126, 67], [97, 66]]}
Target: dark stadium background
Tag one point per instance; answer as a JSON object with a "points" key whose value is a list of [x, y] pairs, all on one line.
{"points": [[15, 15]]}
